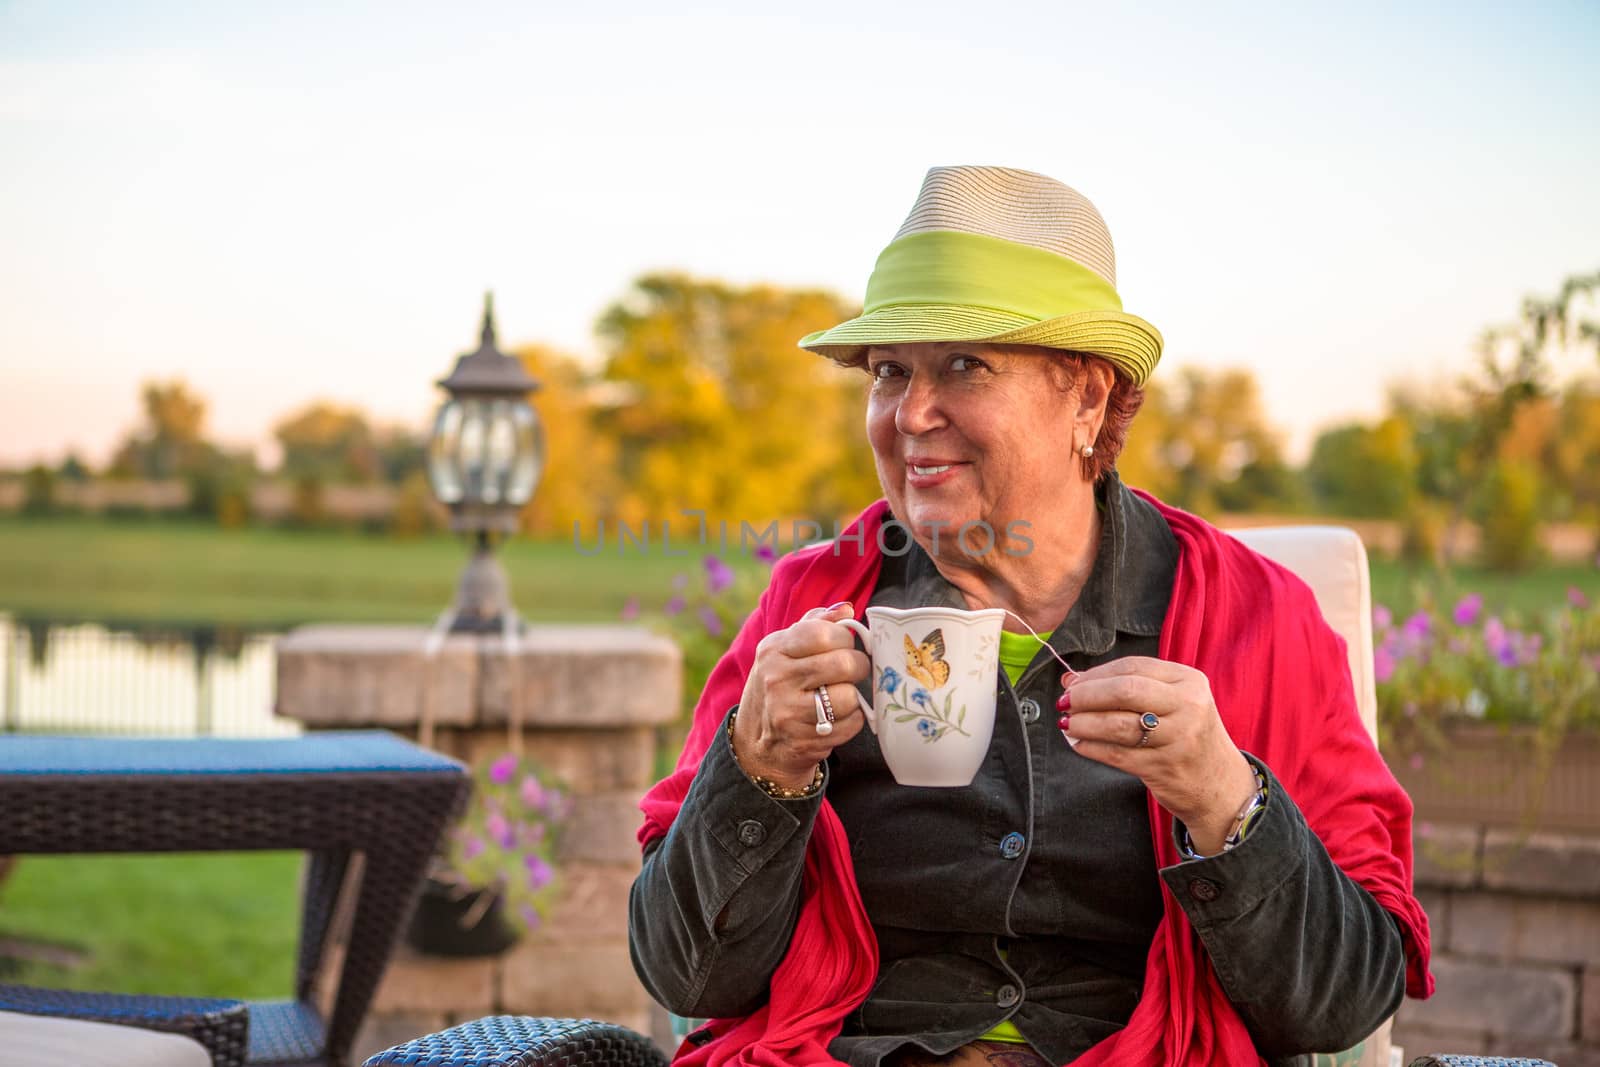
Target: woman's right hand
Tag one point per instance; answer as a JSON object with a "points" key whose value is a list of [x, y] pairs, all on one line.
{"points": [[775, 735]]}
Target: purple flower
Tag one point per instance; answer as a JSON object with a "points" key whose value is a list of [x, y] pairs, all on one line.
{"points": [[532, 792], [1576, 598], [675, 605], [680, 581], [1418, 626], [1382, 617], [1495, 637], [1468, 610], [530, 917], [766, 553], [709, 619], [630, 610], [539, 872], [1383, 663], [718, 574], [499, 830], [471, 846], [502, 769]]}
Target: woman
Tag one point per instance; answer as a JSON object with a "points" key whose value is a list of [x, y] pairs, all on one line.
{"points": [[1216, 869]]}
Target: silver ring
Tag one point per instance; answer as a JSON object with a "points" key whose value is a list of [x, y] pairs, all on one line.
{"points": [[819, 697], [1144, 738]]}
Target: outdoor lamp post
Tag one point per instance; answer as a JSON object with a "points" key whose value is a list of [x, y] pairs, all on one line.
{"points": [[484, 460]]}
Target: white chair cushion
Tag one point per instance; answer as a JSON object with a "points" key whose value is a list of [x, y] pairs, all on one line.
{"points": [[46, 1041], [1333, 562]]}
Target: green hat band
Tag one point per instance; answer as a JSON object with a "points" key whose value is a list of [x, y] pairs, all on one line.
{"points": [[973, 270]]}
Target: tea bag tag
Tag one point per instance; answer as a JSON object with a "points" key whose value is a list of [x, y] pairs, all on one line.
{"points": [[1058, 658]]}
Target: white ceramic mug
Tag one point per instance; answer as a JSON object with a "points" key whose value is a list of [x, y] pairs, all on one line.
{"points": [[933, 689]]}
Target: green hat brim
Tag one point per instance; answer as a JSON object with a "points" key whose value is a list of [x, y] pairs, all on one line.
{"points": [[1125, 341]]}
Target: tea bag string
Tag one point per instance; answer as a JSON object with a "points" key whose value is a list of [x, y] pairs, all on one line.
{"points": [[1041, 640]]}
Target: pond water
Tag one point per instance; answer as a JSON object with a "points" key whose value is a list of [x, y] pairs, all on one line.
{"points": [[59, 676]]}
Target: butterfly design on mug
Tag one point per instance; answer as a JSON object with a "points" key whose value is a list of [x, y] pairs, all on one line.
{"points": [[925, 661]]}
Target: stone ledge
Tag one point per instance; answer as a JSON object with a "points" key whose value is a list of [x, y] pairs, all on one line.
{"points": [[1505, 926], [374, 676], [1589, 1014], [584, 761], [416, 984], [594, 981], [565, 676], [1448, 855], [582, 676], [1495, 1000], [603, 829], [1562, 864]]}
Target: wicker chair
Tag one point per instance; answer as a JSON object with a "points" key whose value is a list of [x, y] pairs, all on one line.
{"points": [[345, 798], [1331, 560]]}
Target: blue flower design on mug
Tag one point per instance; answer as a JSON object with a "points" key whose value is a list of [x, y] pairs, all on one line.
{"points": [[927, 729], [888, 681]]}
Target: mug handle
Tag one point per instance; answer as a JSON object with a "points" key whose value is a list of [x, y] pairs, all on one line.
{"points": [[869, 709]]}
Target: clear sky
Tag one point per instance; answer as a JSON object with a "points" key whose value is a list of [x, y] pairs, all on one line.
{"points": [[284, 202]]}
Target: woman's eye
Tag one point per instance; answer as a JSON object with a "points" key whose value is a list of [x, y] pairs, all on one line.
{"points": [[885, 370], [965, 363]]}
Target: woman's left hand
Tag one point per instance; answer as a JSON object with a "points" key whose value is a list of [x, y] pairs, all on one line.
{"points": [[1186, 759]]}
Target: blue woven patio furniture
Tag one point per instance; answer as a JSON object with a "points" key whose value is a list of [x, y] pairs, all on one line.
{"points": [[333, 795], [218, 1025], [525, 1041]]}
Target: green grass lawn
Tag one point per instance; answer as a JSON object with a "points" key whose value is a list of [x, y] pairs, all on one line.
{"points": [[213, 924], [1401, 588], [191, 572]]}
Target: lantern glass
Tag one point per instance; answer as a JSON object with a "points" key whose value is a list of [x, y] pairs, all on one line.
{"points": [[443, 472], [486, 451]]}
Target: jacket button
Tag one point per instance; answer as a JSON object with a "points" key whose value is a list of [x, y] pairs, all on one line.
{"points": [[1007, 996], [1011, 845], [751, 833], [1030, 710], [1204, 890]]}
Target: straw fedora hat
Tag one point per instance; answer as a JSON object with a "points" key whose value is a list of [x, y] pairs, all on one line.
{"points": [[1003, 256]]}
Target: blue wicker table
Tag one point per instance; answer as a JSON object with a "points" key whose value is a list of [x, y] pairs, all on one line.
{"points": [[332, 795]]}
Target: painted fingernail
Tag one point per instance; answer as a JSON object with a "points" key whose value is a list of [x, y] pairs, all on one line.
{"points": [[1064, 722], [1064, 702], [840, 604]]}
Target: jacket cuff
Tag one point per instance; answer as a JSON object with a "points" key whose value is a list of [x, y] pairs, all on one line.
{"points": [[750, 826], [1214, 889]]}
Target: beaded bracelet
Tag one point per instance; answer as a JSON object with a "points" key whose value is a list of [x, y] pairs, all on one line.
{"points": [[1248, 815], [768, 786]]}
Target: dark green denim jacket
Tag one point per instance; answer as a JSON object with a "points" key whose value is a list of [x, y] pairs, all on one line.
{"points": [[1031, 896]]}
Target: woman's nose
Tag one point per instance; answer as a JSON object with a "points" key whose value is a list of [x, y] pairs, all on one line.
{"points": [[918, 410]]}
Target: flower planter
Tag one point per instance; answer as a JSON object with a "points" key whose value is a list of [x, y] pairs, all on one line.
{"points": [[1489, 775], [450, 921]]}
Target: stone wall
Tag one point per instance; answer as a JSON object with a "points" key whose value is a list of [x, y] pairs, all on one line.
{"points": [[1516, 944], [590, 699]]}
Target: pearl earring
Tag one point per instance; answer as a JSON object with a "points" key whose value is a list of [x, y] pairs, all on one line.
{"points": [[1086, 451]]}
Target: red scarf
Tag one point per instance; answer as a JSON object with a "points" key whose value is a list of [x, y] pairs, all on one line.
{"points": [[1278, 675]]}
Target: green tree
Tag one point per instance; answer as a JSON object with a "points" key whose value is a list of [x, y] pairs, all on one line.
{"points": [[580, 483], [328, 444], [1207, 444], [717, 409], [170, 443], [1365, 471]]}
